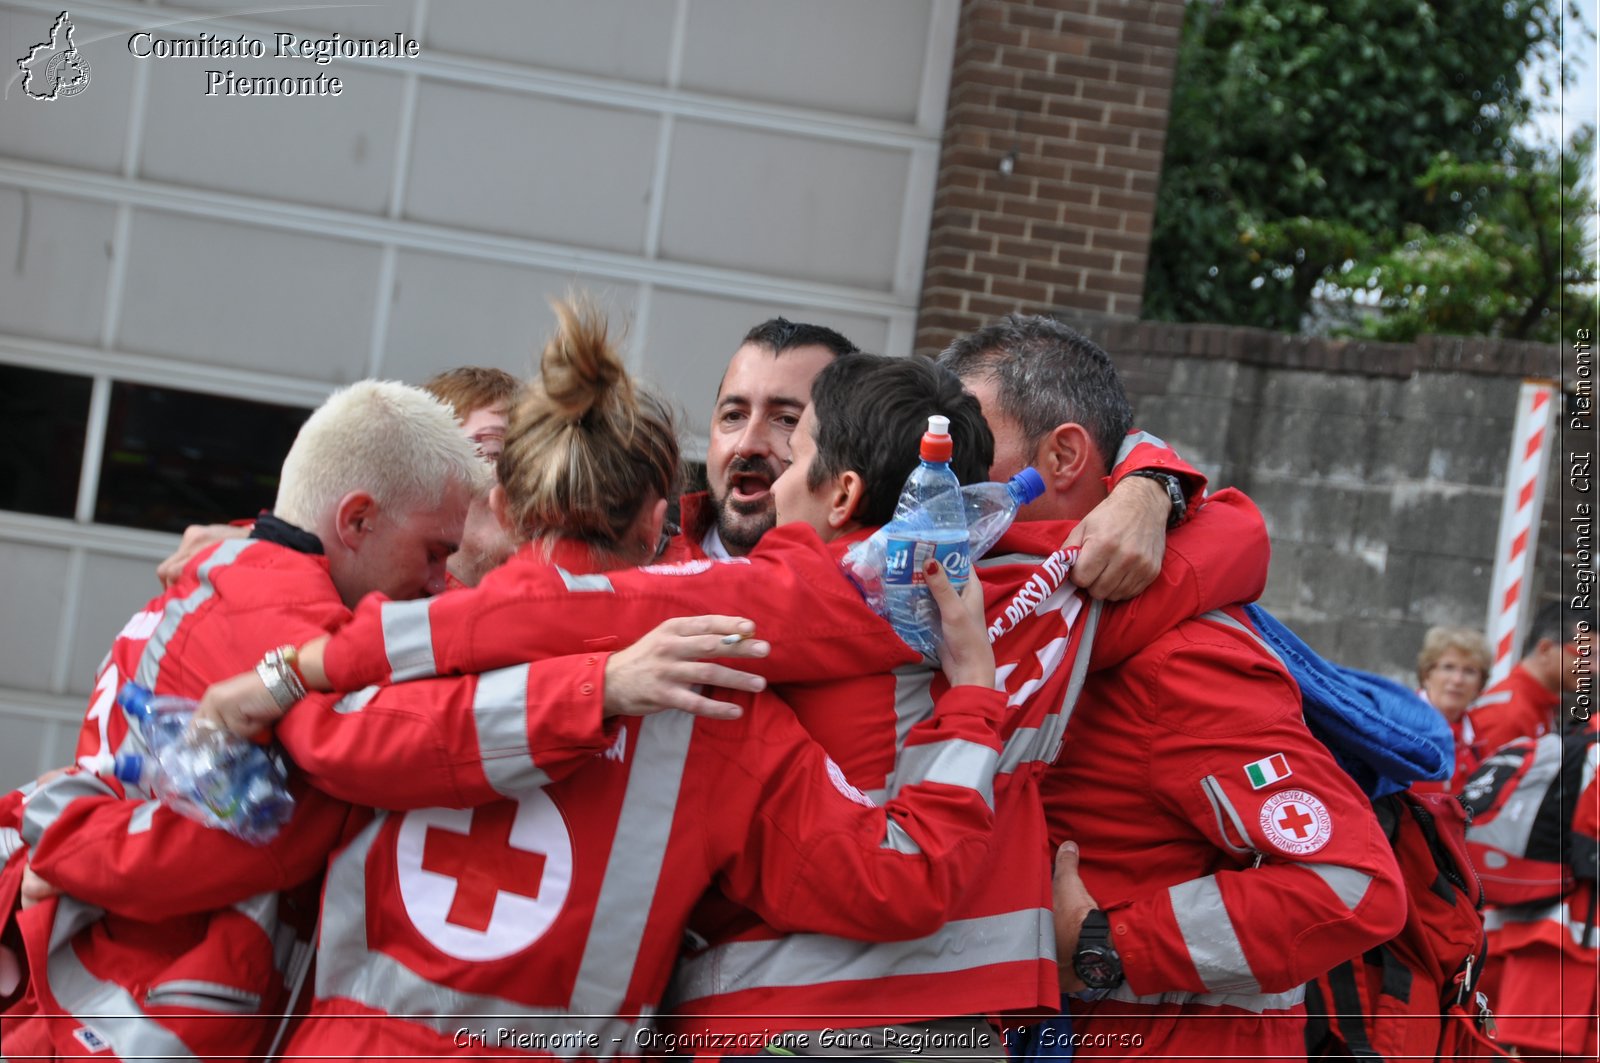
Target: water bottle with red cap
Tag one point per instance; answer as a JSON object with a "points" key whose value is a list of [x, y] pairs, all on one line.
{"points": [[929, 522]]}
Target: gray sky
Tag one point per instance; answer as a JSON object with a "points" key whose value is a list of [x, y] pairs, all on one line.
{"points": [[1577, 104]]}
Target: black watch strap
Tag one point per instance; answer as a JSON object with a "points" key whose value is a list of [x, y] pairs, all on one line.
{"points": [[1096, 961], [1174, 488]]}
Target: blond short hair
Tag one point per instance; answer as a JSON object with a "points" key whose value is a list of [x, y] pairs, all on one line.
{"points": [[395, 442], [1465, 640], [586, 447]]}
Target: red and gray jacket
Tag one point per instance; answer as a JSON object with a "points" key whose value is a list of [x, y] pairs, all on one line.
{"points": [[169, 939], [875, 690], [1519, 706], [1233, 856], [997, 954], [136, 958], [565, 904]]}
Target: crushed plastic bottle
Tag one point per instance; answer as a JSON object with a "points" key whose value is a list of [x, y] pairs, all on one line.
{"points": [[208, 774]]}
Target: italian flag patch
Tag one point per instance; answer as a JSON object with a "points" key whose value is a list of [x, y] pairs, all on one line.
{"points": [[1267, 771]]}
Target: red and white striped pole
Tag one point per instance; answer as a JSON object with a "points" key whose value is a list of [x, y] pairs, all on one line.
{"points": [[1519, 525]]}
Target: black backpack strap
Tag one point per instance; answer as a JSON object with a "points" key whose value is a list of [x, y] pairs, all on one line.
{"points": [[1319, 1035], [1348, 1015], [1396, 975]]}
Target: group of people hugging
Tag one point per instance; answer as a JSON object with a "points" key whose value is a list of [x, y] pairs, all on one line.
{"points": [[575, 779]]}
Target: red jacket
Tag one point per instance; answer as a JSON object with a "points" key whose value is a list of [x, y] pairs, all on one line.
{"points": [[188, 933], [560, 910], [169, 969], [1469, 754], [1516, 707], [820, 627], [1227, 888], [1543, 972]]}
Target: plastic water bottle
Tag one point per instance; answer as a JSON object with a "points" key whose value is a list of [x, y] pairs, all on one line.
{"points": [[929, 523], [991, 507], [208, 774]]}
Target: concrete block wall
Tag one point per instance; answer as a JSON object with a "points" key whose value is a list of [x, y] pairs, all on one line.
{"points": [[1051, 159], [1379, 468]]}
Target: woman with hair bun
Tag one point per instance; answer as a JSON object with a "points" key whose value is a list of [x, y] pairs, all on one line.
{"points": [[590, 458], [559, 902]]}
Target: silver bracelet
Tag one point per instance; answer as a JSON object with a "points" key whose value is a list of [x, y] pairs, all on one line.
{"points": [[280, 680]]}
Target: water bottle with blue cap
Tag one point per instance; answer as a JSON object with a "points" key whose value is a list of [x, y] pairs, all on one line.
{"points": [[207, 774], [988, 508]]}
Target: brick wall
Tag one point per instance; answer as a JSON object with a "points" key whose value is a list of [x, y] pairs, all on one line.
{"points": [[1072, 96], [1379, 467]]}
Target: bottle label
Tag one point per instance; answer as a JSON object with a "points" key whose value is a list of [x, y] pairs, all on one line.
{"points": [[905, 558]]}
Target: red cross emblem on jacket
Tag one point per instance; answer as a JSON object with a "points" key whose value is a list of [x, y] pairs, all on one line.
{"points": [[483, 883]]}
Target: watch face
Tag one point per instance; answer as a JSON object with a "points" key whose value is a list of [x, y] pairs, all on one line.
{"points": [[1098, 967]]}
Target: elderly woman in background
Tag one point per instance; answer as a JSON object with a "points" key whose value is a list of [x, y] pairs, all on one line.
{"points": [[1453, 667]]}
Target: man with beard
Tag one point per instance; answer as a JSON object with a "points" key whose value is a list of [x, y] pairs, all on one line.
{"points": [[760, 399], [765, 389]]}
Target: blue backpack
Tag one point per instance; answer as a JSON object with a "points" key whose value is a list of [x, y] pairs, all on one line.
{"points": [[1383, 735]]}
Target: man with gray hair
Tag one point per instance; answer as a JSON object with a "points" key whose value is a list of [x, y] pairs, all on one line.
{"points": [[1213, 856]]}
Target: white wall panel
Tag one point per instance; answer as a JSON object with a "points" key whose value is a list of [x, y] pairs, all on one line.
{"points": [[335, 152], [249, 297], [112, 590], [611, 38], [33, 577], [20, 752], [364, 18], [790, 205], [449, 311], [91, 135], [834, 55], [692, 336], [57, 254], [506, 163]]}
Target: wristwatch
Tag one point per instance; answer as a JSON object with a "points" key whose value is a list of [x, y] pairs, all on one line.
{"points": [[1096, 961], [1174, 489]]}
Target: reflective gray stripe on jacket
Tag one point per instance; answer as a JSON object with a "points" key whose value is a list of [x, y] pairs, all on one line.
{"points": [[1511, 827], [103, 1005], [1557, 912], [816, 959], [500, 718], [1211, 939], [1257, 1003], [407, 639], [349, 968], [805, 960]]}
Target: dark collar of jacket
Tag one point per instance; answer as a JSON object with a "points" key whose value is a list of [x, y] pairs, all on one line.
{"points": [[274, 530]]}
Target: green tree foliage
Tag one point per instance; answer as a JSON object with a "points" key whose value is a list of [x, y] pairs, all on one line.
{"points": [[1306, 135], [1523, 253]]}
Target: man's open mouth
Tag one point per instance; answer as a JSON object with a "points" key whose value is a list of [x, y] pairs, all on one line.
{"points": [[749, 487]]}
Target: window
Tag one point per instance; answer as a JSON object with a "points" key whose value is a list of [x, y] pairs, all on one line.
{"points": [[174, 458], [43, 419]]}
